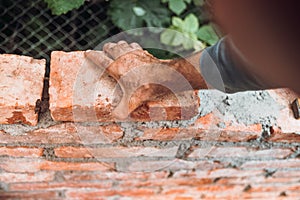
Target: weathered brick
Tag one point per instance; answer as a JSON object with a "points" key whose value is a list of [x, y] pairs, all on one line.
{"points": [[166, 182], [87, 166], [286, 120], [59, 185], [136, 193], [117, 176], [257, 180], [218, 173], [67, 133], [175, 165], [194, 131], [278, 136], [241, 152], [30, 195], [114, 152], [287, 163], [35, 165], [21, 151], [27, 177], [285, 173], [80, 91], [21, 83]]}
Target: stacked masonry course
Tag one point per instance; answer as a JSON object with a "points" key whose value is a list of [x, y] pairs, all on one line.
{"points": [[194, 145]]}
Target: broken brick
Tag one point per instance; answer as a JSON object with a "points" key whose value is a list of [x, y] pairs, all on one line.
{"points": [[21, 83]]}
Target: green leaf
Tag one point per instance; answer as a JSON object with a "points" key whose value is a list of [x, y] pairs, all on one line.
{"points": [[191, 23], [130, 14], [122, 15], [207, 34], [188, 1], [198, 2], [59, 7], [177, 6], [156, 15], [171, 37], [189, 40], [139, 11], [177, 22]]}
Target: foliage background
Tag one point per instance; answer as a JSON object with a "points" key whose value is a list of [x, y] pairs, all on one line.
{"points": [[37, 27]]}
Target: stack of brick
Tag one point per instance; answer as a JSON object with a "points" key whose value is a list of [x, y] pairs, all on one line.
{"points": [[167, 149]]}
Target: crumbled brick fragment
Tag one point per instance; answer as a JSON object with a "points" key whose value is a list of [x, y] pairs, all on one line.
{"points": [[21, 85]]}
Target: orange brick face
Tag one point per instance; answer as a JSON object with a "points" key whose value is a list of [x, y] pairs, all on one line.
{"points": [[80, 91], [19, 91], [21, 151]]}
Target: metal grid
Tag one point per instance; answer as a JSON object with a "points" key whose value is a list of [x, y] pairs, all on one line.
{"points": [[29, 28]]}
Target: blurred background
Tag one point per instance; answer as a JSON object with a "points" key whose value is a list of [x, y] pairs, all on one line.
{"points": [[37, 27]]}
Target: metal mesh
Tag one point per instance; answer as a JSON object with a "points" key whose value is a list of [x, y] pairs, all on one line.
{"points": [[29, 28]]}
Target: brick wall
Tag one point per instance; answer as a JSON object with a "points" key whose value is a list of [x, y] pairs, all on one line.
{"points": [[190, 146]]}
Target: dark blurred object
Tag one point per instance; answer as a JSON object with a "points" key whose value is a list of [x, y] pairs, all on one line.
{"points": [[266, 34], [296, 108]]}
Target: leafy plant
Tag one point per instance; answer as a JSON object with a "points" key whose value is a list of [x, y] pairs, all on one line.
{"points": [[130, 14], [183, 32], [207, 34], [59, 7], [185, 27], [177, 6], [187, 31]]}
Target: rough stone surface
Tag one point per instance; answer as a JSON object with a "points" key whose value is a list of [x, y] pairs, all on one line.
{"points": [[81, 91], [21, 85]]}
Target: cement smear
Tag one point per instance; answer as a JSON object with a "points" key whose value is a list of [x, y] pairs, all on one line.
{"points": [[244, 107]]}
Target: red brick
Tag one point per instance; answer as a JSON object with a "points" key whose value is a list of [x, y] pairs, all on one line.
{"points": [[67, 133], [87, 194], [175, 165], [35, 165], [284, 174], [275, 187], [218, 173], [59, 185], [21, 151], [117, 176], [79, 91], [136, 193], [21, 83], [114, 152], [239, 152], [88, 166], [284, 137], [284, 164], [258, 180], [286, 120], [26, 177], [194, 131], [29, 195], [166, 182]]}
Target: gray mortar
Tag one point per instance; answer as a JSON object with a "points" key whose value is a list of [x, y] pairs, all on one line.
{"points": [[244, 107]]}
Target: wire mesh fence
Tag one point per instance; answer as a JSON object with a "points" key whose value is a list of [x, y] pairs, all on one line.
{"points": [[29, 28]]}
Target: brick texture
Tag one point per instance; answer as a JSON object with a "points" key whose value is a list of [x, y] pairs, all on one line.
{"points": [[21, 83], [81, 91], [207, 157]]}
